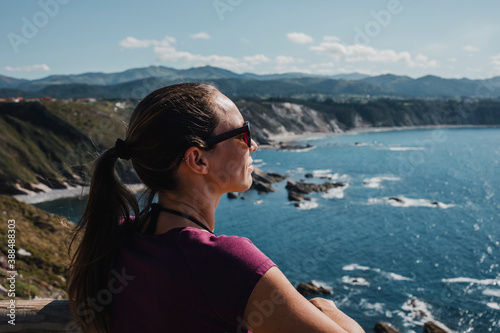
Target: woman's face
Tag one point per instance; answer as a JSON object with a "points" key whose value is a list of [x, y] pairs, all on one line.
{"points": [[230, 161]]}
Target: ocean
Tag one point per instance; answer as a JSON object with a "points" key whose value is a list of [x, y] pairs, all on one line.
{"points": [[413, 236]]}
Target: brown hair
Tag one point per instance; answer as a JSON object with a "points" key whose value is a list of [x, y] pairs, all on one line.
{"points": [[163, 125]]}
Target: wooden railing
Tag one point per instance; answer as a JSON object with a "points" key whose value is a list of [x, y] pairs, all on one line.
{"points": [[44, 316], [36, 316]]}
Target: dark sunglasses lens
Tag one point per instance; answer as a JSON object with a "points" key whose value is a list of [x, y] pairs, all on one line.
{"points": [[248, 136], [245, 138]]}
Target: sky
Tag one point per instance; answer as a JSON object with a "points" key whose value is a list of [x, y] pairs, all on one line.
{"points": [[447, 38]]}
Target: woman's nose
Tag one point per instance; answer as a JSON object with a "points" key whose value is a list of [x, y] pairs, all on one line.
{"points": [[254, 146]]}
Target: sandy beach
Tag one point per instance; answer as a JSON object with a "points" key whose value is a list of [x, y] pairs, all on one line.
{"points": [[288, 137], [64, 193]]}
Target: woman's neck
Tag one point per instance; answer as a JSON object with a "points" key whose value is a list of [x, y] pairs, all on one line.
{"points": [[201, 208]]}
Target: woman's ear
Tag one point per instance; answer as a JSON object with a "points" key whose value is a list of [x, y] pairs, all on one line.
{"points": [[196, 161]]}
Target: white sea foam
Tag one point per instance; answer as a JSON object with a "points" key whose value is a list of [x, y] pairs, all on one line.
{"points": [[417, 313], [492, 292], [376, 182], [403, 148], [259, 162], [353, 267], [486, 282], [297, 170], [301, 150], [335, 192], [372, 309], [327, 174], [322, 284], [320, 173], [390, 275], [398, 277], [402, 201], [305, 205], [355, 281], [492, 305], [258, 202]]}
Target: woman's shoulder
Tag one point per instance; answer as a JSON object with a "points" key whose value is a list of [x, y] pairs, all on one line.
{"points": [[200, 238], [236, 249]]}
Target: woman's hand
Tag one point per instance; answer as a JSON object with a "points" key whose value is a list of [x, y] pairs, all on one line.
{"points": [[323, 304], [329, 308], [276, 306]]}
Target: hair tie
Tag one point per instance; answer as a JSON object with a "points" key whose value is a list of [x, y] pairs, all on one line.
{"points": [[121, 148]]}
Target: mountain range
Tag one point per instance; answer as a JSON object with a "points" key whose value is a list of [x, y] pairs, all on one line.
{"points": [[135, 83]]}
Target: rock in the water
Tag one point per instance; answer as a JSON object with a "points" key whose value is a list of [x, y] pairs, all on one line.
{"points": [[307, 188], [232, 195], [262, 187], [309, 288], [401, 201], [294, 147], [294, 196], [432, 327], [262, 181], [309, 175], [275, 177], [299, 187], [382, 327]]}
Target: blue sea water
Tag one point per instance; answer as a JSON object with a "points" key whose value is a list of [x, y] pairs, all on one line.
{"points": [[414, 235]]}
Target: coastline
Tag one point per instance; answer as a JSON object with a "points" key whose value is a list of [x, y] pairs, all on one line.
{"points": [[289, 137], [276, 141], [73, 192]]}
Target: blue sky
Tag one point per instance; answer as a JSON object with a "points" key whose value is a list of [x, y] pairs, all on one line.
{"points": [[452, 39]]}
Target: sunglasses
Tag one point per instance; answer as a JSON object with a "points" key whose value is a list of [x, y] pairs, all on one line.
{"points": [[245, 129]]}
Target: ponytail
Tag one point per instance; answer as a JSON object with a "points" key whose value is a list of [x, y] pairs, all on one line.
{"points": [[105, 224], [163, 125]]}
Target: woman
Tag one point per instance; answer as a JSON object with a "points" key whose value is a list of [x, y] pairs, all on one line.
{"points": [[165, 270]]}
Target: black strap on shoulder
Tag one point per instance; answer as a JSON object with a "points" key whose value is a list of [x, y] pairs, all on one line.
{"points": [[153, 219], [155, 212]]}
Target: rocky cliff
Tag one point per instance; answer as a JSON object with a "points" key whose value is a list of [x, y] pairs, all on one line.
{"points": [[52, 145]]}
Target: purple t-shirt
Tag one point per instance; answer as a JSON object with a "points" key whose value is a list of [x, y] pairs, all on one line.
{"points": [[185, 280]]}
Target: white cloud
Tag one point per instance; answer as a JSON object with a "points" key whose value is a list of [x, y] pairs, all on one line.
{"points": [[291, 69], [453, 59], [331, 38], [359, 53], [134, 43], [201, 35], [470, 48], [284, 60], [299, 38], [166, 51], [495, 60], [328, 65], [287, 64], [32, 68], [256, 59]]}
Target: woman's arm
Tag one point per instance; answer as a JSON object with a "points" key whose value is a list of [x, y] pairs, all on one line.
{"points": [[276, 306]]}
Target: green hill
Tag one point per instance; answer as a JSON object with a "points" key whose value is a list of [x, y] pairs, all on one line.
{"points": [[41, 242], [55, 148]]}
